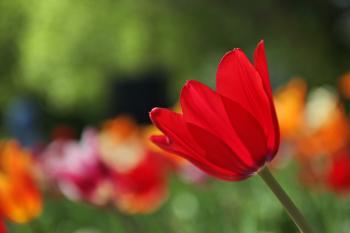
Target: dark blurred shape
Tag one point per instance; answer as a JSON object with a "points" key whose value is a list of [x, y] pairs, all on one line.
{"points": [[22, 121], [342, 28], [136, 94], [63, 132], [341, 3]]}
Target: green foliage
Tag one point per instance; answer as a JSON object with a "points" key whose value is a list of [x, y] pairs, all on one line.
{"points": [[65, 52]]}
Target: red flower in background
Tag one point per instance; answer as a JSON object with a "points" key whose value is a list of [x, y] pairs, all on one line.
{"points": [[230, 133], [75, 167], [338, 177], [143, 188], [139, 175], [2, 227]]}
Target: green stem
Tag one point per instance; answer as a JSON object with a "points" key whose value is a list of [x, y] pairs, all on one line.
{"points": [[282, 196]]}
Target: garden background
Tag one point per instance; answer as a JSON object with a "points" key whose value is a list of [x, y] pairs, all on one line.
{"points": [[66, 66]]}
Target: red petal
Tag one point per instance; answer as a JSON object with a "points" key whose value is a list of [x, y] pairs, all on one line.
{"points": [[218, 153], [202, 164], [260, 64], [203, 107], [198, 161], [238, 80], [173, 126], [249, 131], [179, 141]]}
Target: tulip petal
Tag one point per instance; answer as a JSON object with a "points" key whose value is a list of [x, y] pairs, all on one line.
{"points": [[260, 64], [217, 152], [173, 126], [206, 166], [179, 141], [203, 107], [249, 131], [238, 80]]}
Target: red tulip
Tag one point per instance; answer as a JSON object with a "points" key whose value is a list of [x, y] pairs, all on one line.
{"points": [[2, 227], [229, 133], [339, 173]]}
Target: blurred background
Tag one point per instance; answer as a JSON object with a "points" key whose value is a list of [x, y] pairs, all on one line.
{"points": [[77, 83]]}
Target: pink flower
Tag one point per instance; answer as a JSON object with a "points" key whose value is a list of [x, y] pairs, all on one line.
{"points": [[76, 168]]}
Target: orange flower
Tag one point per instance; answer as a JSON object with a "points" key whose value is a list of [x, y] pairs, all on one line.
{"points": [[121, 144], [325, 132], [20, 199], [289, 102], [326, 128], [344, 85]]}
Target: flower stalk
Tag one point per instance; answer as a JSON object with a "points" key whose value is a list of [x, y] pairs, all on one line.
{"points": [[287, 203]]}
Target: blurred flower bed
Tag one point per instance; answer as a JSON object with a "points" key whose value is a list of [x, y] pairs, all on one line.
{"points": [[112, 179], [64, 170]]}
